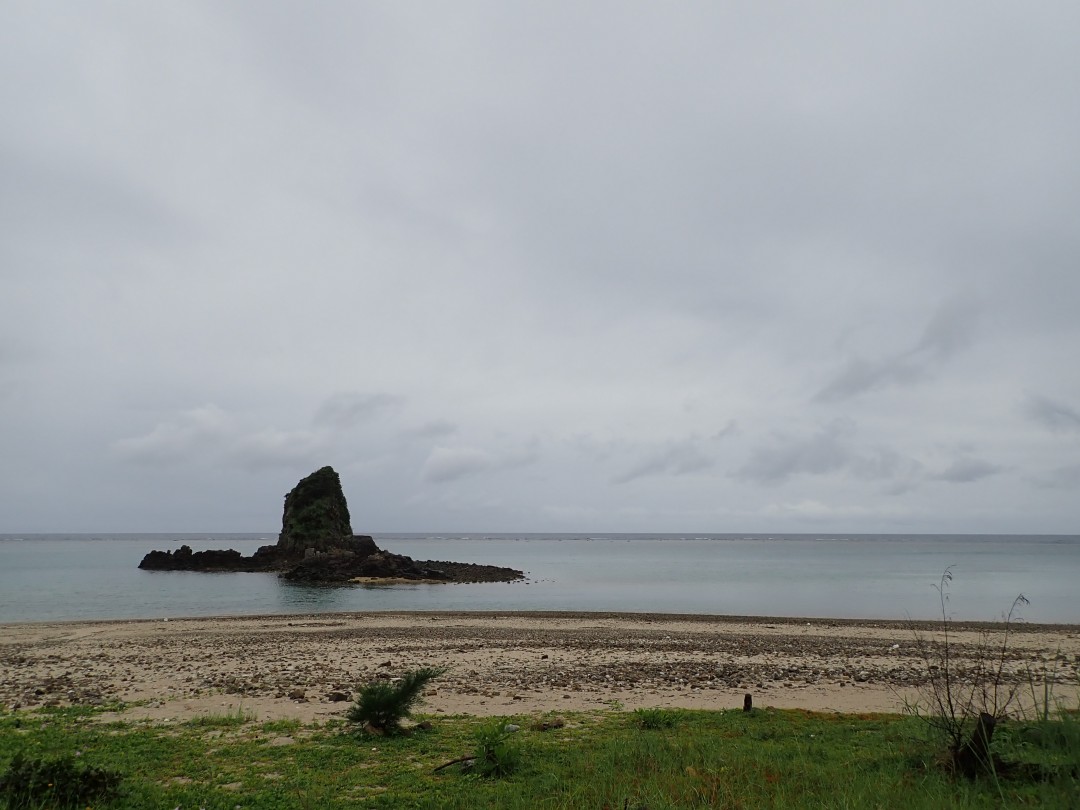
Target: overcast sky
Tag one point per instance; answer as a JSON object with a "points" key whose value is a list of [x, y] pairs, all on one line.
{"points": [[541, 266]]}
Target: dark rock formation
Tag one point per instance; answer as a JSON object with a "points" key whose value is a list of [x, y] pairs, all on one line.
{"points": [[316, 545], [346, 566], [267, 558], [184, 559], [316, 515], [471, 572], [336, 566], [316, 518]]}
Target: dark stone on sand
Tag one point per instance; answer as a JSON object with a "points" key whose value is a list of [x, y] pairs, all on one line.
{"points": [[317, 546]]}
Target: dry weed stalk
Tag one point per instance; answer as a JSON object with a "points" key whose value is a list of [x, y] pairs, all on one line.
{"points": [[962, 702]]}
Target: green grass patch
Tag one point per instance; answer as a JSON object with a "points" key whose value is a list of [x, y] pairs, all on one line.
{"points": [[657, 718], [762, 759], [231, 719], [282, 727]]}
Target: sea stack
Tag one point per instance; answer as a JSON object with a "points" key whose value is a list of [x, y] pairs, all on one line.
{"points": [[316, 516], [316, 545]]}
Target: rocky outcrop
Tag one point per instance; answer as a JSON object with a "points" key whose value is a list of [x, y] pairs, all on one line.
{"points": [[316, 519], [184, 559], [267, 558], [316, 515], [317, 546], [339, 566], [342, 567]]}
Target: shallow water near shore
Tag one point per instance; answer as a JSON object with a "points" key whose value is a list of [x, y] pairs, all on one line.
{"points": [[73, 577]]}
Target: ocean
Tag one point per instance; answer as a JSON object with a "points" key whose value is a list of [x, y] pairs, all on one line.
{"points": [[55, 577]]}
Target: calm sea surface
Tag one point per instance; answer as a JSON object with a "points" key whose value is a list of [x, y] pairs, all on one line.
{"points": [[67, 577]]}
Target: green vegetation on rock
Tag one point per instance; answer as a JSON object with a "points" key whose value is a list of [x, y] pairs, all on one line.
{"points": [[316, 515]]}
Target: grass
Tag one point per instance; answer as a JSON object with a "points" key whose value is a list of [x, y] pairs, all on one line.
{"points": [[657, 718], [230, 719], [762, 759]]}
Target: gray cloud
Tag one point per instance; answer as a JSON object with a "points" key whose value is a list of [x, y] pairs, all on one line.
{"points": [[859, 376], [828, 450], [435, 429], [604, 227], [833, 449], [188, 434], [209, 434], [674, 458], [445, 464], [1066, 478], [1056, 416], [268, 449], [968, 470], [693, 454], [450, 463], [73, 202], [949, 330], [348, 409]]}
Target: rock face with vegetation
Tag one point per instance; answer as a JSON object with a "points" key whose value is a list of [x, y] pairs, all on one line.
{"points": [[316, 515], [316, 545]]}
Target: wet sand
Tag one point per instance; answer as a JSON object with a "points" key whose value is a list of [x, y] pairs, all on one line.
{"points": [[307, 667]]}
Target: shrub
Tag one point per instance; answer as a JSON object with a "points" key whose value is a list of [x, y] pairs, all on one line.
{"points": [[962, 701], [382, 705], [494, 755], [656, 718], [57, 782]]}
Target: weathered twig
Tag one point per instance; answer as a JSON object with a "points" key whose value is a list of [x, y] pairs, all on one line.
{"points": [[467, 758]]}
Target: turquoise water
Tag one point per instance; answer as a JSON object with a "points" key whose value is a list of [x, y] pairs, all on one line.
{"points": [[69, 577]]}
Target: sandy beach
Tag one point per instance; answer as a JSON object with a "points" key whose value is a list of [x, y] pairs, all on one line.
{"points": [[307, 667]]}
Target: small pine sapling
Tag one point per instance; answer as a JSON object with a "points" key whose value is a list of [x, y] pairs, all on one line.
{"points": [[382, 705]]}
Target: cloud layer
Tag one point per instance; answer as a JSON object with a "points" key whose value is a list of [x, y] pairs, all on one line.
{"points": [[552, 267]]}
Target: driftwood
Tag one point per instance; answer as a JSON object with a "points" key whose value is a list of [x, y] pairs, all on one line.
{"points": [[468, 758]]}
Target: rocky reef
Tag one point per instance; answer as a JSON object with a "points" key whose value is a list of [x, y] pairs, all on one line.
{"points": [[316, 545], [184, 559]]}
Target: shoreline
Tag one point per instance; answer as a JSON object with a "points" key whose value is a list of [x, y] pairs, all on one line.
{"points": [[1017, 625], [307, 666]]}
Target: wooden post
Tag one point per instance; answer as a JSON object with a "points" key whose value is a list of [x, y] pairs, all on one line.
{"points": [[748, 703]]}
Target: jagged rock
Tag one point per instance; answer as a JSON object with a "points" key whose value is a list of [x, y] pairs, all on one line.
{"points": [[316, 515], [184, 559], [338, 567], [342, 566], [315, 520]]}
